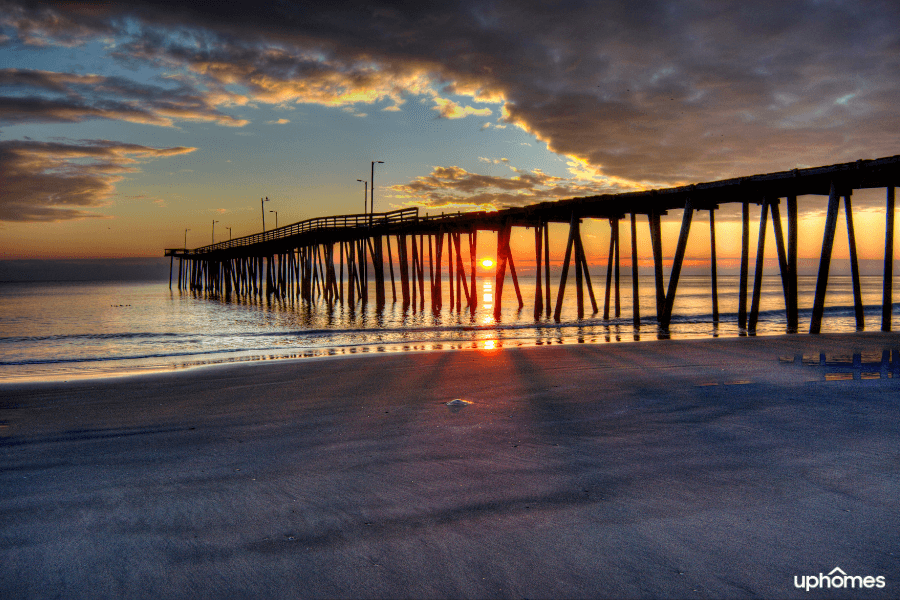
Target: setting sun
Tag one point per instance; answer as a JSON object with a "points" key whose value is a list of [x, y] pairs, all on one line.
{"points": [[487, 263]]}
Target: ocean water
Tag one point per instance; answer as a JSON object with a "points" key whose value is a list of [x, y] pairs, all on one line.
{"points": [[68, 330]]}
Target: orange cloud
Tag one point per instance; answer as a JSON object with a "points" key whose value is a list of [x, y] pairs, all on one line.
{"points": [[456, 187]]}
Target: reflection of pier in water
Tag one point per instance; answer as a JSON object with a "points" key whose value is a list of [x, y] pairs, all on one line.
{"points": [[850, 367], [308, 260]]}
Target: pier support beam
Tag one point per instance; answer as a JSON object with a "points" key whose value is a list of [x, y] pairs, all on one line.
{"points": [[656, 244], [565, 268], [712, 266], [818, 310], [547, 290], [538, 255], [745, 259], [609, 269], [473, 258], [783, 263], [793, 311], [582, 256], [760, 260], [887, 302], [635, 291], [391, 267], [676, 264], [854, 265]]}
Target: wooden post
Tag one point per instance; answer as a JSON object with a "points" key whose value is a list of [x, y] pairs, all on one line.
{"points": [[460, 274], [760, 259], [547, 266], [615, 230], [501, 270], [656, 245], [391, 267], [450, 283], [332, 276], [351, 274], [579, 292], [818, 310], [609, 270], [431, 271], [415, 270], [461, 283], [473, 257], [793, 308], [745, 259], [854, 265], [512, 269], [438, 281], [887, 303], [378, 268], [712, 265], [422, 269], [676, 264], [171, 265], [565, 268], [579, 251], [403, 260], [635, 292], [783, 266], [538, 291]]}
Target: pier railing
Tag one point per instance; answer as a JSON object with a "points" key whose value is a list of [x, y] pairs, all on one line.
{"points": [[357, 221]]}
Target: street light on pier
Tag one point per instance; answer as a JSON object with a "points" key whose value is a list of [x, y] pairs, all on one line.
{"points": [[365, 195], [185, 238], [262, 208], [276, 217], [229, 233], [214, 231]]}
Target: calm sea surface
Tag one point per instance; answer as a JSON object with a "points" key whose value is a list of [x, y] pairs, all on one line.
{"points": [[51, 331]]}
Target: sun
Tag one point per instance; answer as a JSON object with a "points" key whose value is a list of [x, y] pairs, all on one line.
{"points": [[487, 263]]}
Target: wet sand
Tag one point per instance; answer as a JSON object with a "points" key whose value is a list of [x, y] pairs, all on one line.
{"points": [[670, 469]]}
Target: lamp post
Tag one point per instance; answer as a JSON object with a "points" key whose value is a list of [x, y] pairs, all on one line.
{"points": [[214, 231], [229, 233], [276, 217], [263, 210], [185, 238], [372, 191], [365, 194]]}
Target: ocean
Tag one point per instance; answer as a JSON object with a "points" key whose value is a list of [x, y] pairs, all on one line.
{"points": [[69, 330]]}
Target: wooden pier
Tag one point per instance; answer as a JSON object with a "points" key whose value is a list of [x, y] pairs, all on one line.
{"points": [[329, 258]]}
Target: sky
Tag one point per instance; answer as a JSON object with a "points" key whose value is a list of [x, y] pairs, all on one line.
{"points": [[124, 124]]}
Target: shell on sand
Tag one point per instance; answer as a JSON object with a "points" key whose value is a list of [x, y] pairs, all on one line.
{"points": [[458, 402]]}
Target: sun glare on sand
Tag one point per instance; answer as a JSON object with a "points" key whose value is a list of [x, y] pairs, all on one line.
{"points": [[487, 263]]}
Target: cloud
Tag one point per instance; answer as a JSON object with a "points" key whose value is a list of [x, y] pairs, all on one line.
{"points": [[56, 181], [654, 91], [451, 110], [48, 97], [456, 187], [278, 122]]}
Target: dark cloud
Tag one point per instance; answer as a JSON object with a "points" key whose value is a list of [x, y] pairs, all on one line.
{"points": [[646, 92], [56, 181]]}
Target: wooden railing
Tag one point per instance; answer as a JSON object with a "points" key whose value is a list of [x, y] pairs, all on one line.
{"points": [[358, 221]]}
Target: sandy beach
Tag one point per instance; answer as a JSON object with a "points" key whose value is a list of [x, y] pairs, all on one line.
{"points": [[720, 468]]}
